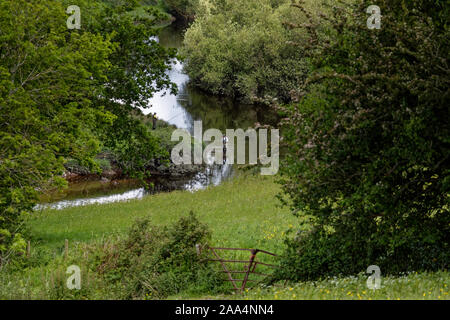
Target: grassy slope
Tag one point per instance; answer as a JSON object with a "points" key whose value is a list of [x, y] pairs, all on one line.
{"points": [[424, 286], [240, 213]]}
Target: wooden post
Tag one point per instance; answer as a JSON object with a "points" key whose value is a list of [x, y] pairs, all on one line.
{"points": [[29, 249], [66, 249]]}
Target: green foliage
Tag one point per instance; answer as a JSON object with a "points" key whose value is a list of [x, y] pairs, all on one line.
{"points": [[183, 8], [65, 94], [240, 48], [154, 262], [138, 70], [164, 135], [49, 80], [368, 145]]}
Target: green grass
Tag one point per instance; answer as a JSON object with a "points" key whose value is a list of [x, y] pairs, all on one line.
{"points": [[423, 286], [240, 213], [243, 212]]}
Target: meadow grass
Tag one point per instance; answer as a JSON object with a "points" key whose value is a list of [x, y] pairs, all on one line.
{"points": [[412, 286], [243, 212]]}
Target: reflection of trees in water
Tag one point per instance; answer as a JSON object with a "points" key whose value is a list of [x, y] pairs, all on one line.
{"points": [[171, 36], [217, 112]]}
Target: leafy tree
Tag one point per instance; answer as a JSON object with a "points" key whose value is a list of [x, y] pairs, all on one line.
{"points": [[138, 70], [49, 79], [67, 93], [368, 144], [240, 48]]}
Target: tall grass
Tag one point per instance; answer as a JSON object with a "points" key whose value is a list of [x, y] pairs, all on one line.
{"points": [[240, 213], [412, 286]]}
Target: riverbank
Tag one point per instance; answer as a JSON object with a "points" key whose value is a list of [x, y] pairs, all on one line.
{"points": [[173, 111], [242, 213], [108, 167]]}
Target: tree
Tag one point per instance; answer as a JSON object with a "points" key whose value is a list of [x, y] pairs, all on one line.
{"points": [[368, 144], [49, 78], [240, 48], [138, 70], [67, 93]]}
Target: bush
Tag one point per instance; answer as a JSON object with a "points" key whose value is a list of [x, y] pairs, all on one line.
{"points": [[368, 145], [42, 120], [239, 48], [185, 9], [155, 262]]}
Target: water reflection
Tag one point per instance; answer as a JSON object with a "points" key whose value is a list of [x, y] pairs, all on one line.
{"points": [[192, 104], [86, 193], [128, 195], [169, 107]]}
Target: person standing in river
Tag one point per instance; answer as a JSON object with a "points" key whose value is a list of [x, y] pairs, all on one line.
{"points": [[225, 141], [154, 119]]}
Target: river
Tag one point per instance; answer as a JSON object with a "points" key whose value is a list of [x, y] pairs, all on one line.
{"points": [[189, 105]]}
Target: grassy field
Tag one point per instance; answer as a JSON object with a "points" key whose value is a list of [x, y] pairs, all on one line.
{"points": [[413, 286], [242, 213]]}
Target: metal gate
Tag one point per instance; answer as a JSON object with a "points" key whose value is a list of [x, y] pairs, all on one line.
{"points": [[249, 267]]}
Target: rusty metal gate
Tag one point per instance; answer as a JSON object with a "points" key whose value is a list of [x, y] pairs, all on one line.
{"points": [[249, 267]]}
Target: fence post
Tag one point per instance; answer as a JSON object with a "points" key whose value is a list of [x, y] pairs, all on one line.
{"points": [[29, 249], [250, 265], [66, 249]]}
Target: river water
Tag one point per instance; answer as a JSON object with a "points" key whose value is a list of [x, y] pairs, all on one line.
{"points": [[189, 105]]}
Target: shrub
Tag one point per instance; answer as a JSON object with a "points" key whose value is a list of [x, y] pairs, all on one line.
{"points": [[239, 48], [155, 262], [368, 145]]}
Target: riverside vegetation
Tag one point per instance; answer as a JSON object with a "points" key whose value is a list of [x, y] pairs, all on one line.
{"points": [[364, 177], [241, 213]]}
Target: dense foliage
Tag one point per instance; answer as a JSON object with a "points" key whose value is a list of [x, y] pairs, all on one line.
{"points": [[49, 79], [65, 94], [368, 144], [138, 70], [240, 48], [365, 128], [154, 262]]}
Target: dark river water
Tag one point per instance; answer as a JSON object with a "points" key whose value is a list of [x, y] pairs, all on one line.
{"points": [[189, 105]]}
